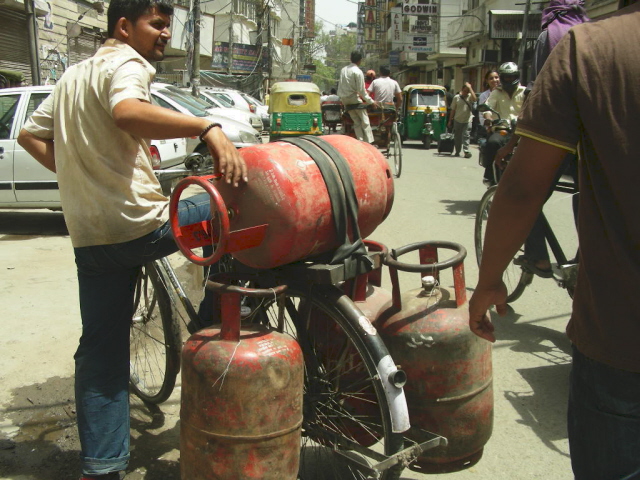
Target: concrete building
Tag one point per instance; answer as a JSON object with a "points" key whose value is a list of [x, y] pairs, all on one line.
{"points": [[492, 33], [40, 39]]}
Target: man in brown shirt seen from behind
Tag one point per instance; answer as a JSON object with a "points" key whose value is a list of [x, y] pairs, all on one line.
{"points": [[588, 95]]}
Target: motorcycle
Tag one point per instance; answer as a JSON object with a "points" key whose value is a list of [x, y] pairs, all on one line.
{"points": [[502, 126]]}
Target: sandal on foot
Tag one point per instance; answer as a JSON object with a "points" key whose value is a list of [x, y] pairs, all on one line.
{"points": [[523, 261]]}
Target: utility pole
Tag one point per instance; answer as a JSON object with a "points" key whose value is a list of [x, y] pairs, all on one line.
{"points": [[195, 60], [523, 40], [32, 30], [231, 13], [269, 64]]}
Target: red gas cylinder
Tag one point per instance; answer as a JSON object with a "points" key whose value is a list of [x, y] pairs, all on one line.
{"points": [[449, 386], [241, 407], [287, 194]]}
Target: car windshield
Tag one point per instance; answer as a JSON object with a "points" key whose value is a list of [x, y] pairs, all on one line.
{"points": [[251, 100], [190, 103], [187, 97], [223, 99], [429, 98]]}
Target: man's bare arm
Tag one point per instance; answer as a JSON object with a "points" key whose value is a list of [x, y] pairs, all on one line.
{"points": [[521, 193], [39, 148], [145, 120]]}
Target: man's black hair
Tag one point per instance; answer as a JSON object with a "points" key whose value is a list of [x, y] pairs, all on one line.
{"points": [[334, 91], [132, 10], [356, 56], [385, 71]]}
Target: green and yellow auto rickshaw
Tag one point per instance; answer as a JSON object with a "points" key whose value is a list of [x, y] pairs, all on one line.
{"points": [[424, 113], [294, 108]]}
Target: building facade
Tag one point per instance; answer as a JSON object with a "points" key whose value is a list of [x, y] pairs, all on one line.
{"points": [[40, 39]]}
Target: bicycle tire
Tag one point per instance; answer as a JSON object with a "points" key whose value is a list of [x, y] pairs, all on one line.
{"points": [[514, 277], [341, 398], [155, 339], [395, 151]]}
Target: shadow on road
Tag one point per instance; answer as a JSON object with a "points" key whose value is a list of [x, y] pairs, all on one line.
{"points": [[31, 223], [468, 208], [543, 407]]}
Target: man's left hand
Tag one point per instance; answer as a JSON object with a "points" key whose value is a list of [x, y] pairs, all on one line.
{"points": [[480, 302]]}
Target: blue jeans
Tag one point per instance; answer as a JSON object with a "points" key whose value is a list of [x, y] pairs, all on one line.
{"points": [[107, 277], [603, 421]]}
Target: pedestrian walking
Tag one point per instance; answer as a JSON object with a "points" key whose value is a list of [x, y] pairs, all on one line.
{"points": [[461, 119]]}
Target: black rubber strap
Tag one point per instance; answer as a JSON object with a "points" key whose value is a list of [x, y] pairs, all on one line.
{"points": [[332, 182], [344, 203]]}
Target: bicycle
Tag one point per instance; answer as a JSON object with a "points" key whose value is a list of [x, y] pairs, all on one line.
{"points": [[517, 277], [384, 126], [350, 383]]}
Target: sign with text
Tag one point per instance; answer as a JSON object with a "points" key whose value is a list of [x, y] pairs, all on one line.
{"points": [[409, 8], [310, 18], [244, 60], [370, 23], [420, 43]]}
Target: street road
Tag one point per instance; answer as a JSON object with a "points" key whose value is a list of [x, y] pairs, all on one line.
{"points": [[436, 199]]}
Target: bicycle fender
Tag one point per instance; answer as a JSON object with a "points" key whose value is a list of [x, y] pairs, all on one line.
{"points": [[395, 396], [385, 367]]}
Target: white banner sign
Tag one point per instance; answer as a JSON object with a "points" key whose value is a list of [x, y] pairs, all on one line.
{"points": [[419, 9], [420, 43]]}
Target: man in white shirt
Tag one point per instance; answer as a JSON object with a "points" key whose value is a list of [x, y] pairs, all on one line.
{"points": [[92, 131], [385, 89], [351, 90]]}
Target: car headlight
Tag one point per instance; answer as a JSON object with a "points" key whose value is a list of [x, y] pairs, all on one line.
{"points": [[247, 137]]}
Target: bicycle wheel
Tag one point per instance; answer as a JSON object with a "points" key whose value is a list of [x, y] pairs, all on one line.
{"points": [[514, 277], [395, 150], [344, 401], [155, 340]]}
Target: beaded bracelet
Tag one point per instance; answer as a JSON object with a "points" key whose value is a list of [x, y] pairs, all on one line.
{"points": [[206, 130]]}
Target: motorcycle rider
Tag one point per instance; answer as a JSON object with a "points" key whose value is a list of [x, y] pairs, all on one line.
{"points": [[507, 100]]}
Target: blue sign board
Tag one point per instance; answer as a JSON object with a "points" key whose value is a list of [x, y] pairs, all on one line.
{"points": [[394, 58], [303, 78]]}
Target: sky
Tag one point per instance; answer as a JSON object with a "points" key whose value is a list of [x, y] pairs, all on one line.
{"points": [[340, 12]]}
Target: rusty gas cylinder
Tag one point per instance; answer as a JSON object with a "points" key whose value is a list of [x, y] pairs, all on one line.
{"points": [[449, 386], [285, 210], [241, 407]]}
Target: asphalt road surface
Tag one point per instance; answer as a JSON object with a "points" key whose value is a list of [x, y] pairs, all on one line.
{"points": [[436, 199]]}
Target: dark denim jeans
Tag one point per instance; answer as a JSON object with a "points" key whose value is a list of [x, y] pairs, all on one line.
{"points": [[107, 277], [604, 421]]}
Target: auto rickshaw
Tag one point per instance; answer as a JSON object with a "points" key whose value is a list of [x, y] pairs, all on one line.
{"points": [[424, 113], [295, 110]]}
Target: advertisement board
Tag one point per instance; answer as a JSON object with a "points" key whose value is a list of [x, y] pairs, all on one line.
{"points": [[420, 43], [245, 57]]}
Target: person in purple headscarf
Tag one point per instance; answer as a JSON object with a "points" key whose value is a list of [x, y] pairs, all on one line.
{"points": [[557, 19]]}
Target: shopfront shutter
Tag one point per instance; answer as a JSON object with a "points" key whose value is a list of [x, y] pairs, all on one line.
{"points": [[14, 42], [83, 46]]}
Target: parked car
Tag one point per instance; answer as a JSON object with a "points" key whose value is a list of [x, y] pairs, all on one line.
{"points": [[240, 134], [24, 183], [210, 102], [261, 109]]}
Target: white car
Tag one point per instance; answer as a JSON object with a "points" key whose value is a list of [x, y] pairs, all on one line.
{"points": [[241, 134], [24, 183], [235, 113], [261, 109]]}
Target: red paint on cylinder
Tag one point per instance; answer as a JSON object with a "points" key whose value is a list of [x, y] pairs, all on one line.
{"points": [[286, 191], [449, 389], [241, 407]]}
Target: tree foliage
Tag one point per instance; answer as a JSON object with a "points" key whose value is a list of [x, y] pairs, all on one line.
{"points": [[330, 53]]}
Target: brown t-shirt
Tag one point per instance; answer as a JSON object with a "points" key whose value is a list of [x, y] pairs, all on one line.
{"points": [[588, 94]]}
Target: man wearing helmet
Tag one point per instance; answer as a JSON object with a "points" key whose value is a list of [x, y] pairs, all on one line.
{"points": [[507, 101]]}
